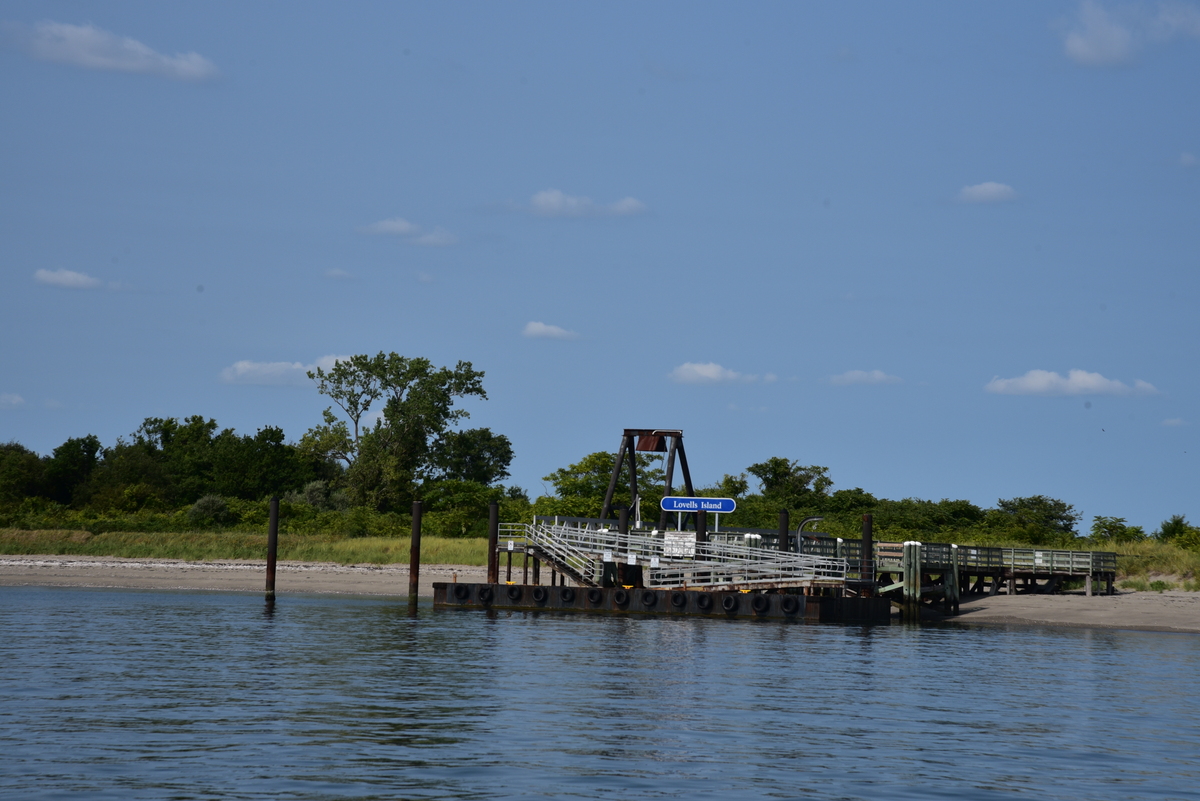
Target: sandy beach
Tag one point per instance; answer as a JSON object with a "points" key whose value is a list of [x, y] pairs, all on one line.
{"points": [[231, 575], [1146, 611]]}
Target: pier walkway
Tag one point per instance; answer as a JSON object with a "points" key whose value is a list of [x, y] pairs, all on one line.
{"points": [[592, 553]]}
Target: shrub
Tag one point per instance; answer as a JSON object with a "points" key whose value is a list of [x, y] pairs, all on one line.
{"points": [[210, 510]]}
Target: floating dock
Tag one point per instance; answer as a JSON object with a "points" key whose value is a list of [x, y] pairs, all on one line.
{"points": [[752, 573], [644, 601]]}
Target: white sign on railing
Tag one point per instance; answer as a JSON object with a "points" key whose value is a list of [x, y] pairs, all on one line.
{"points": [[679, 544]]}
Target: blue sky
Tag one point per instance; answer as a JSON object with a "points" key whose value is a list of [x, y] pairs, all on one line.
{"points": [[944, 249]]}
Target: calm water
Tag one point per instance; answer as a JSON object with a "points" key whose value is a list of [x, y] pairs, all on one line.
{"points": [[115, 694]]}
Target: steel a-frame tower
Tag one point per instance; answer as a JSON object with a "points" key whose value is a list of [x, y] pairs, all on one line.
{"points": [[653, 440]]}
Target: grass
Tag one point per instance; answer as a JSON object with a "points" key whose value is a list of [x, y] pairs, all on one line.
{"points": [[1152, 557], [201, 545], [1138, 562]]}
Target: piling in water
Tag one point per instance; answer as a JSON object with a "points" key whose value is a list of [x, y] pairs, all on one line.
{"points": [[414, 555], [493, 565], [272, 546]]}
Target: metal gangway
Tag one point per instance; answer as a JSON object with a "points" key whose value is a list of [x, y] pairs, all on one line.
{"points": [[668, 559]]}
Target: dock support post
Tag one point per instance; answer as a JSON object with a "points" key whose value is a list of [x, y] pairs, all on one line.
{"points": [[493, 565], [867, 562], [537, 570], [785, 544], [1087, 585], [1012, 585], [950, 580], [414, 557], [701, 527], [525, 566], [912, 582], [508, 569], [272, 547]]}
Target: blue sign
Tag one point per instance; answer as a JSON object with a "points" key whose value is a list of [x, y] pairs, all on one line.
{"points": [[722, 505]]}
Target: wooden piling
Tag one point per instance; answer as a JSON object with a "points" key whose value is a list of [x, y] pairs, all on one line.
{"points": [[272, 546], [493, 575], [414, 556], [866, 568], [785, 526]]}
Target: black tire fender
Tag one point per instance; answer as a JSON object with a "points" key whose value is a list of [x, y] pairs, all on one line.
{"points": [[514, 593], [678, 599], [595, 596], [704, 602], [620, 597], [729, 603], [567, 594], [462, 592], [760, 604]]}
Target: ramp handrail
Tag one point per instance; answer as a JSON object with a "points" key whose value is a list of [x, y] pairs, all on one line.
{"points": [[582, 549]]}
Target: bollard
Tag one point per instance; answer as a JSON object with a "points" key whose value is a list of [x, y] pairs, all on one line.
{"points": [[493, 574], [785, 523], [414, 556], [272, 547]]}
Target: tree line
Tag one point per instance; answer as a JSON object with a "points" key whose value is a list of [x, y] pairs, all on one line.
{"points": [[394, 433], [807, 491]]}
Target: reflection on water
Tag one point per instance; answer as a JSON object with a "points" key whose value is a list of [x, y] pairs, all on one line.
{"points": [[117, 694]]}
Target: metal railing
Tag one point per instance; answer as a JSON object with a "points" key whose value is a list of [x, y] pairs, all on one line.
{"points": [[583, 547]]}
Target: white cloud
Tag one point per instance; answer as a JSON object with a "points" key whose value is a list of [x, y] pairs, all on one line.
{"points": [[1076, 382], [437, 238], [707, 373], [1102, 38], [555, 203], [1175, 19], [863, 377], [1096, 39], [397, 225], [338, 274], [986, 192], [544, 331], [770, 378], [275, 373], [1174, 421], [9, 400], [96, 49], [66, 278], [1187, 160]]}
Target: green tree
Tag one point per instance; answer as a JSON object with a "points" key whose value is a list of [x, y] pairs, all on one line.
{"points": [[1172, 528], [70, 466], [1038, 520], [22, 474], [788, 484], [387, 461], [579, 489], [1115, 530], [473, 455]]}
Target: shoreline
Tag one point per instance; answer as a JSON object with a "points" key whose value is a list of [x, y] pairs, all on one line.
{"points": [[1170, 611]]}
